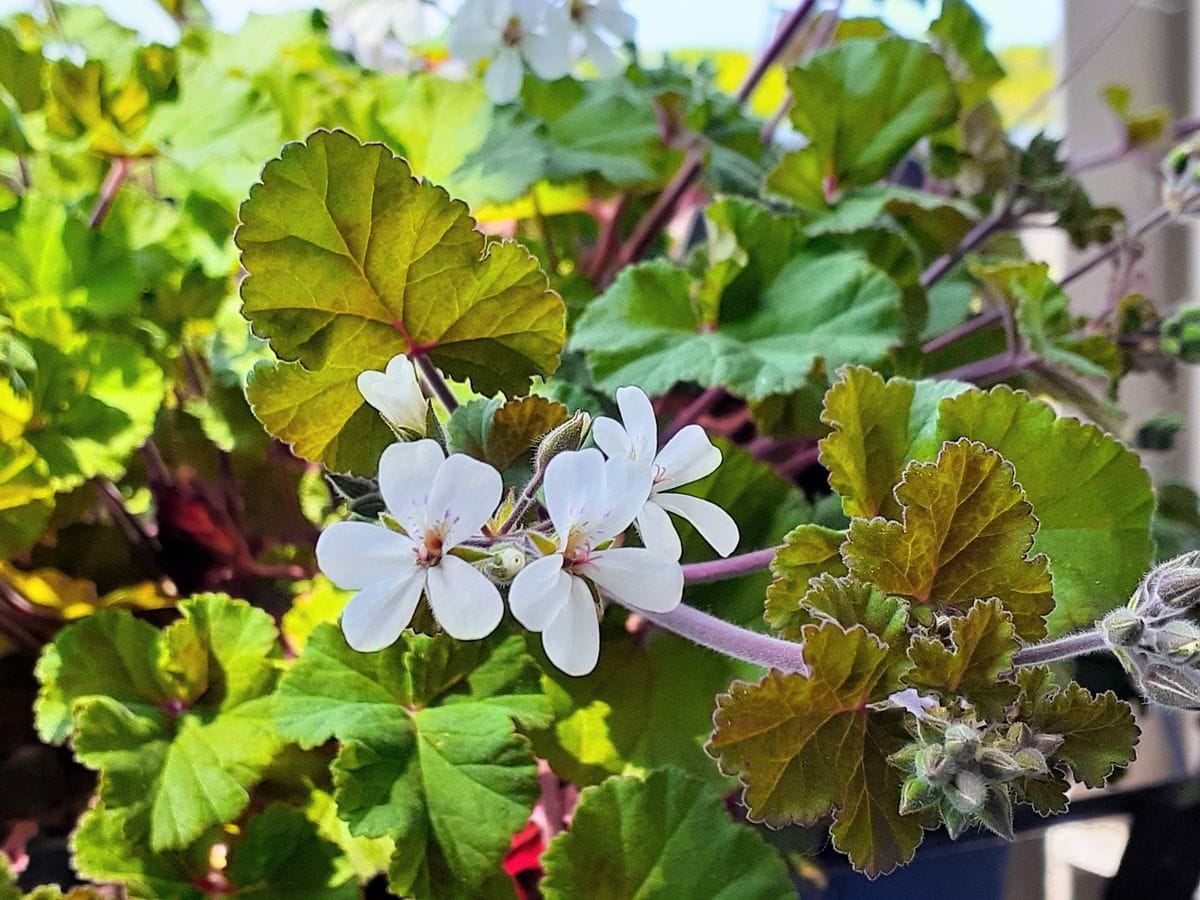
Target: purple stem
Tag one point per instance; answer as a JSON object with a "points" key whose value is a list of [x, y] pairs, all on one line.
{"points": [[983, 229], [118, 171], [1068, 647], [730, 640], [690, 413], [990, 369], [436, 382], [733, 567]]}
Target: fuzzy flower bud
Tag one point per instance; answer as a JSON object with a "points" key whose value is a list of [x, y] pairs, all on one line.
{"points": [[567, 437]]}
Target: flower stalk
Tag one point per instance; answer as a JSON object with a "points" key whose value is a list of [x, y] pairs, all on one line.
{"points": [[730, 640], [725, 569], [1059, 649]]}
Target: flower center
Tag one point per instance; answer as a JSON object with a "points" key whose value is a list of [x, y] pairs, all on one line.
{"points": [[579, 10], [511, 36], [429, 551], [576, 552]]}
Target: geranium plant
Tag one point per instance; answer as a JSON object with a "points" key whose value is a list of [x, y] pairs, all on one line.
{"points": [[588, 458]]}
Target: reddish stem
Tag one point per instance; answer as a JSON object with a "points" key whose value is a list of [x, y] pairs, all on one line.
{"points": [[118, 171]]}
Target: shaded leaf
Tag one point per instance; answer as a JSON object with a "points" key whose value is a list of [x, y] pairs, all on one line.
{"points": [[805, 746], [965, 535], [667, 836], [980, 649]]}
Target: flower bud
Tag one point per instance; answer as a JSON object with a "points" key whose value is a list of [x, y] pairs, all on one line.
{"points": [[967, 792], [997, 765], [917, 794], [1122, 627], [961, 742], [1178, 640], [1171, 687], [504, 563], [568, 436], [1179, 585], [996, 813]]}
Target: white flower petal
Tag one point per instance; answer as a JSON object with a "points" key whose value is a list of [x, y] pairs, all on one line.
{"points": [[637, 578], [548, 54], [688, 456], [658, 531], [464, 494], [608, 16], [574, 489], [474, 35], [406, 473], [463, 601], [376, 615], [606, 60], [626, 485], [355, 555], [539, 592], [504, 76], [572, 640], [637, 415], [611, 437], [396, 393], [714, 524]]}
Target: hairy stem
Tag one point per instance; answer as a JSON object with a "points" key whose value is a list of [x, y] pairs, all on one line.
{"points": [[1068, 647], [730, 640], [733, 567], [118, 171], [435, 381], [523, 502]]}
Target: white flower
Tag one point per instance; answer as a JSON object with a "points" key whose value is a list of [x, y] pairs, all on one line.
{"points": [[440, 503], [505, 32], [396, 393], [377, 33], [590, 501], [596, 25], [687, 457]]}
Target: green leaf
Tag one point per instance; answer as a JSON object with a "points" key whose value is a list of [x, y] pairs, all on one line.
{"points": [[176, 722], [667, 836], [1094, 524], [645, 329], [501, 432], [320, 414], [427, 730], [965, 535], [1143, 126], [1098, 730], [630, 714], [1042, 313], [980, 649], [877, 427], [863, 104], [278, 853], [961, 37], [807, 551], [21, 72], [847, 602], [281, 854], [344, 246], [805, 746]]}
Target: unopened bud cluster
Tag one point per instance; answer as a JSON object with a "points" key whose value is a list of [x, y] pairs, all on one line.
{"points": [[964, 770], [1157, 636]]}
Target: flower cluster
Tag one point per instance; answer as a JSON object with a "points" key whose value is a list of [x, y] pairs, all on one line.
{"points": [[439, 538], [548, 35], [1157, 637], [378, 33]]}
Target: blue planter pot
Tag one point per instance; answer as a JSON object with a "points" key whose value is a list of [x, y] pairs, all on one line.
{"points": [[972, 869]]}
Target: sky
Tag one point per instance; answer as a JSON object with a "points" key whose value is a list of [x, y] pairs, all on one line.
{"points": [[670, 24]]}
